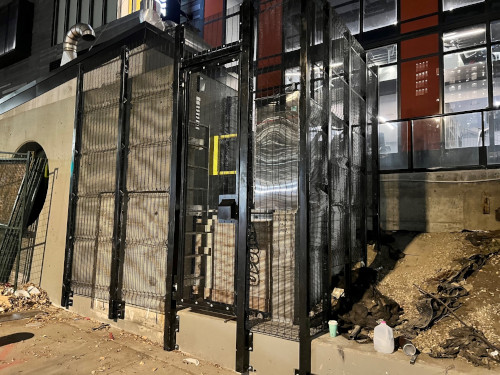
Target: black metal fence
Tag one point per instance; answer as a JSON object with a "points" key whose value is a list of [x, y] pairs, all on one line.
{"points": [[118, 218], [251, 164]]}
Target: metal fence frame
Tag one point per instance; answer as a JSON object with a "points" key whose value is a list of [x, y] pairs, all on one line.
{"points": [[15, 227], [11, 245], [187, 57]]}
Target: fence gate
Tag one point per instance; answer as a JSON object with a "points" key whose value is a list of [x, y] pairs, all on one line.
{"points": [[208, 241], [211, 188]]}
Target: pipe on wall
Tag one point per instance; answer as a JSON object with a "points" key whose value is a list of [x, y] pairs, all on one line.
{"points": [[75, 33]]}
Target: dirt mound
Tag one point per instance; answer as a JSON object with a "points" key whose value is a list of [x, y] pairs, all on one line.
{"points": [[460, 273]]}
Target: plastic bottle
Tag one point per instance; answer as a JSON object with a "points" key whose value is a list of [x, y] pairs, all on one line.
{"points": [[383, 339]]}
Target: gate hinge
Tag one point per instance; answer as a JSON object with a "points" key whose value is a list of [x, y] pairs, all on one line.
{"points": [[68, 299], [250, 341], [177, 323], [117, 309]]}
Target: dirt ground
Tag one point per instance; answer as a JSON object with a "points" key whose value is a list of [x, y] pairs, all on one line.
{"points": [[427, 259], [56, 341]]}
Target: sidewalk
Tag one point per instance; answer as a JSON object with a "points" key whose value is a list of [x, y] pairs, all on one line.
{"points": [[59, 342]]}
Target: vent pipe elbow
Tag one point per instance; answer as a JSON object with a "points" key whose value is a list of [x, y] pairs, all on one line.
{"points": [[75, 33]]}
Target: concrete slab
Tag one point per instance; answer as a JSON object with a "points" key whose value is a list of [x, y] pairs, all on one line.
{"points": [[332, 356], [208, 337], [272, 355]]}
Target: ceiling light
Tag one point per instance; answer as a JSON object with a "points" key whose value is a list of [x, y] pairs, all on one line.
{"points": [[463, 34]]}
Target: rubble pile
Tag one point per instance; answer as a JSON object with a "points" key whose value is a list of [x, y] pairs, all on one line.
{"points": [[448, 287], [470, 344], [28, 297], [367, 306], [449, 292]]}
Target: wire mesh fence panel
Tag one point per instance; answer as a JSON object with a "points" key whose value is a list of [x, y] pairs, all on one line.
{"points": [[318, 118], [211, 160], [339, 146], [358, 178], [15, 259], [273, 219], [13, 168], [148, 176], [93, 230], [371, 152]]}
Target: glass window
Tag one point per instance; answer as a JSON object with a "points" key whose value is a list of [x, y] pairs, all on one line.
{"points": [[163, 7], [495, 70], [495, 31], [462, 131], [379, 13], [393, 145], [448, 142], [465, 81], [388, 93], [98, 4], [383, 55], [464, 38], [453, 4], [233, 27], [349, 12], [73, 11], [61, 12], [492, 136], [232, 3], [72, 14], [427, 142], [84, 11], [111, 10]]}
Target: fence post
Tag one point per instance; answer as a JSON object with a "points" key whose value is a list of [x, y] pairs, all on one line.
{"points": [[116, 304], [174, 229], [302, 245], [242, 253], [67, 293]]}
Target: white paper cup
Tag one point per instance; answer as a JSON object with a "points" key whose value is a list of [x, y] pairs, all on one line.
{"points": [[332, 324]]}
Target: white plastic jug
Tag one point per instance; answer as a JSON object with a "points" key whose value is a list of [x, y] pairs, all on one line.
{"points": [[383, 338]]}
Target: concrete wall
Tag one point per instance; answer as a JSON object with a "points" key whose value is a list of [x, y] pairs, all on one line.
{"points": [[440, 201], [48, 120]]}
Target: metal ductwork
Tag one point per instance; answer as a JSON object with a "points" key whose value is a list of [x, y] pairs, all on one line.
{"points": [[75, 33]]}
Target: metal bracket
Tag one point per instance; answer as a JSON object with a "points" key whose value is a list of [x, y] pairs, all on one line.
{"points": [[69, 299], [117, 309]]}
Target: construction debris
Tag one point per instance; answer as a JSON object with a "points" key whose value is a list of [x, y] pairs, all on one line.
{"points": [[191, 361], [28, 297], [454, 311], [357, 319]]}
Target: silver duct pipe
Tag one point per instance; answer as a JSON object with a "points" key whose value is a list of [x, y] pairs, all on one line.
{"points": [[75, 33]]}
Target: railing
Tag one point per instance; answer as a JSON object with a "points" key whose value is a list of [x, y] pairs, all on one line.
{"points": [[465, 140]]}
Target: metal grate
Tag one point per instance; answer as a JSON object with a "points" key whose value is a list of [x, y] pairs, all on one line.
{"points": [[372, 151], [15, 261], [13, 168], [93, 234], [148, 177], [276, 167]]}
